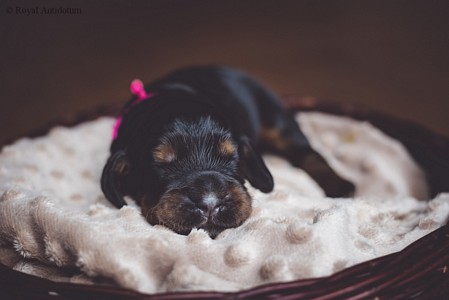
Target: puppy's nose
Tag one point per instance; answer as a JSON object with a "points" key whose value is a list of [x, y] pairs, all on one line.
{"points": [[209, 205]]}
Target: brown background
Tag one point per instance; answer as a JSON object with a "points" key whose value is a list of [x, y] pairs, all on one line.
{"points": [[392, 56]]}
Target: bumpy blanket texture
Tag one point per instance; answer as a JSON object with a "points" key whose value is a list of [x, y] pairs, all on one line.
{"points": [[56, 223]]}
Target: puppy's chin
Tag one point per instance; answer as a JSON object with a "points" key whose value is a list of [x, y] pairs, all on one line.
{"points": [[176, 211]]}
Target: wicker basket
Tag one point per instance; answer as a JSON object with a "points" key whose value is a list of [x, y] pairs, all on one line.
{"points": [[420, 271]]}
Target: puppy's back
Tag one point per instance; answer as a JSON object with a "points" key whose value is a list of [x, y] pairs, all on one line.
{"points": [[239, 97]]}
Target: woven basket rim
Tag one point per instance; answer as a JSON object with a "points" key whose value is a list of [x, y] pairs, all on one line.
{"points": [[392, 276]]}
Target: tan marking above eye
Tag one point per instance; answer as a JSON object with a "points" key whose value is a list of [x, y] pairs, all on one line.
{"points": [[227, 147], [164, 153]]}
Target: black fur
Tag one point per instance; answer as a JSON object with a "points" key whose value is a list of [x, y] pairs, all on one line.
{"points": [[200, 135]]}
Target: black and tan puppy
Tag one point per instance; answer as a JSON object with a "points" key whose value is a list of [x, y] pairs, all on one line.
{"points": [[186, 143]]}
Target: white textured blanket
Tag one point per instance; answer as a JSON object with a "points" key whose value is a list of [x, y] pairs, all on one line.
{"points": [[55, 222]]}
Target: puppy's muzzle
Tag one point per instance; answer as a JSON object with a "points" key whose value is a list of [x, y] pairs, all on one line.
{"points": [[208, 200], [212, 195]]}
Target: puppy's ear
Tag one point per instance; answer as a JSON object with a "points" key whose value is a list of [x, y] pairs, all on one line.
{"points": [[253, 167], [114, 171]]}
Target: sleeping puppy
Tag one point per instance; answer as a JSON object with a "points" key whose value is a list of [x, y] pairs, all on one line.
{"points": [[185, 144]]}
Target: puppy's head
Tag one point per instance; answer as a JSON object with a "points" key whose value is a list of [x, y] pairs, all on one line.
{"points": [[202, 169], [198, 170]]}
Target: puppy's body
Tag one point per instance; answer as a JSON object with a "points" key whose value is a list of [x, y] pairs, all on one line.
{"points": [[184, 154]]}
